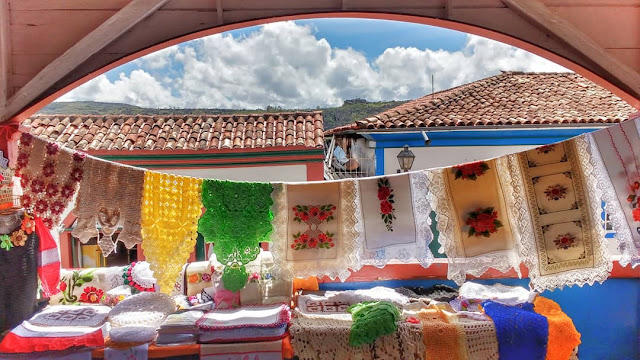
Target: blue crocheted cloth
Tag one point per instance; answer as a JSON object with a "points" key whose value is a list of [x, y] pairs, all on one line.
{"points": [[522, 334]]}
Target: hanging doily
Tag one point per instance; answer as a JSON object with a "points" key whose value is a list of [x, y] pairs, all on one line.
{"points": [[171, 207], [49, 177], [615, 157], [562, 234], [139, 277], [110, 195], [237, 218], [396, 219], [318, 229], [475, 227]]}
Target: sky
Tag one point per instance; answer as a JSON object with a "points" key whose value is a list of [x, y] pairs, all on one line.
{"points": [[307, 64]]}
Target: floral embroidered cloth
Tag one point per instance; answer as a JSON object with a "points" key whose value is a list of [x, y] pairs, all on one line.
{"points": [[396, 219], [237, 218], [562, 234], [615, 155], [49, 177], [476, 230], [317, 229], [522, 334], [70, 315], [86, 285], [110, 195]]}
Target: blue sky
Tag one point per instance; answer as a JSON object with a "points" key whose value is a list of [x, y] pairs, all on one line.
{"points": [[307, 63]]}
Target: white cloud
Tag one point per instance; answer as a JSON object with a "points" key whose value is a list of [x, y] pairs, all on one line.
{"points": [[285, 64]]}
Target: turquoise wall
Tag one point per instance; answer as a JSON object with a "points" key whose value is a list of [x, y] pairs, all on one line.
{"points": [[607, 315]]}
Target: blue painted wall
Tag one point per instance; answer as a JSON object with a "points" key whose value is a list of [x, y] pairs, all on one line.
{"points": [[607, 315]]}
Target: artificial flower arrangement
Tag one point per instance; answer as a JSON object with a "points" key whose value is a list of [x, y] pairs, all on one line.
{"points": [[470, 171], [483, 222]]}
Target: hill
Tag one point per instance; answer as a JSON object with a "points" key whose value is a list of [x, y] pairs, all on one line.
{"points": [[350, 111]]}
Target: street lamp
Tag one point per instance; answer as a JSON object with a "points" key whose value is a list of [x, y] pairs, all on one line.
{"points": [[405, 158]]}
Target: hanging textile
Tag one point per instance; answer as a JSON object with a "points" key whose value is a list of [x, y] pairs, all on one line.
{"points": [[49, 176], [522, 334], [110, 195], [396, 222], [317, 229], [48, 259], [237, 218], [563, 336], [562, 234], [171, 207], [476, 230], [615, 156]]}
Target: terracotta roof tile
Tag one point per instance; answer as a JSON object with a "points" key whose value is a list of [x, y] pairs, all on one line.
{"points": [[511, 98], [188, 132]]}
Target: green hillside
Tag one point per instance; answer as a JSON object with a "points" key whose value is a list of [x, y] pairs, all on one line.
{"points": [[350, 111]]}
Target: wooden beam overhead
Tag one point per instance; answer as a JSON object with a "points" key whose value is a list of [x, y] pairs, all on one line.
{"points": [[541, 16], [103, 35], [5, 53]]}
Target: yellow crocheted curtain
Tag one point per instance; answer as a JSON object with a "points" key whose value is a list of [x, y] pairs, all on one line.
{"points": [[171, 208]]}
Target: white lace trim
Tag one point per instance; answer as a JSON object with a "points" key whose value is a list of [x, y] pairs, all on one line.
{"points": [[629, 253], [450, 242], [351, 235], [418, 251]]}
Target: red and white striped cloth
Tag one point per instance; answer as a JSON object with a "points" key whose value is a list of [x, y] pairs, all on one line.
{"points": [[48, 260]]}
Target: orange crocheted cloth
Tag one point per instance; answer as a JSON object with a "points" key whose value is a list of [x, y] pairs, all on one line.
{"points": [[563, 336], [439, 335]]}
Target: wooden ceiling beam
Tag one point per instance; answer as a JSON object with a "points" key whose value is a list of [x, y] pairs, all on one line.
{"points": [[103, 35], [5, 54], [541, 16]]}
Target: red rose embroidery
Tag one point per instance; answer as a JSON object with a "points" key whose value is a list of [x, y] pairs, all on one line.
{"points": [[470, 171], [556, 192], [483, 222], [313, 216], [636, 214], [91, 295], [386, 207], [383, 193], [62, 286], [565, 241]]}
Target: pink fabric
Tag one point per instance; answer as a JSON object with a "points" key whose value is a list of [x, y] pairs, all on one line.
{"points": [[226, 299]]}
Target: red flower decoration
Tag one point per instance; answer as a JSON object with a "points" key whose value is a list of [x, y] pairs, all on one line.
{"points": [[483, 222], [636, 214], [62, 286], [48, 169], [76, 174], [28, 225], [385, 195], [57, 208], [37, 186], [22, 160], [26, 201], [386, 207], [556, 192], [41, 206], [52, 149], [313, 243], [67, 191], [91, 295], [78, 157], [565, 241], [52, 190], [48, 223], [470, 171], [26, 139]]}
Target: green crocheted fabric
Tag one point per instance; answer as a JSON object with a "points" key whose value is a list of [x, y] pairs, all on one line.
{"points": [[237, 217], [372, 320]]}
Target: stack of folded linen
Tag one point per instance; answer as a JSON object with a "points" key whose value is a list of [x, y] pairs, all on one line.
{"points": [[244, 324], [179, 328]]}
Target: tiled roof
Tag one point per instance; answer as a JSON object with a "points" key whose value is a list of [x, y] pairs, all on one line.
{"points": [[511, 98], [183, 132]]}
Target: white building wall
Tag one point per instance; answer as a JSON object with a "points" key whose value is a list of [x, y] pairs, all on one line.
{"points": [[253, 173], [434, 157]]}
